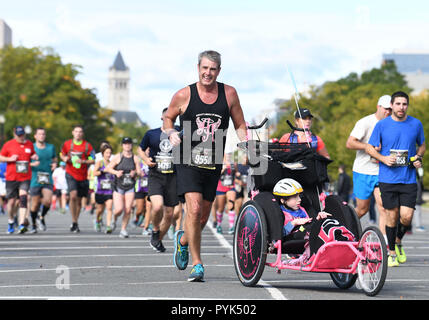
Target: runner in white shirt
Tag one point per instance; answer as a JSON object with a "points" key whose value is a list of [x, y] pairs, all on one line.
{"points": [[60, 184], [365, 168]]}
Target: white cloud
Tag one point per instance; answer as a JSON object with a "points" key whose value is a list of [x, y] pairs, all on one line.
{"points": [[160, 45]]}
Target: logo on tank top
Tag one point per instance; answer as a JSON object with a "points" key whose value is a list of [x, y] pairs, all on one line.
{"points": [[207, 124]]}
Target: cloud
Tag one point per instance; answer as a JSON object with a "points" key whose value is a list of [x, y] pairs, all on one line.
{"points": [[160, 44]]}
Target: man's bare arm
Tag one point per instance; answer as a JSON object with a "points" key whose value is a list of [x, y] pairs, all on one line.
{"points": [[236, 113], [354, 144]]}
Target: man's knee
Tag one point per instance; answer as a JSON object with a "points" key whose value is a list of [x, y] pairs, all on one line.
{"points": [[23, 201]]}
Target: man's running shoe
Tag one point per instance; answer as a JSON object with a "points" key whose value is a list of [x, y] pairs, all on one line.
{"points": [[400, 253], [42, 224], [74, 228], [157, 246], [109, 230], [392, 261], [33, 229], [97, 226], [11, 228], [123, 234], [156, 243], [197, 273], [22, 229], [181, 253]]}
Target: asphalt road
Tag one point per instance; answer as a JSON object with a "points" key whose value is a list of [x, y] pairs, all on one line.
{"points": [[58, 264]]}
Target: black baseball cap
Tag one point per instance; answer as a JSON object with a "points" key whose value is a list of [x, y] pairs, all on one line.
{"points": [[127, 140], [304, 113]]}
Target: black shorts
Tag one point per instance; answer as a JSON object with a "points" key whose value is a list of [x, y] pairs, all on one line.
{"points": [[102, 198], [82, 187], [394, 195], [193, 179], [37, 191], [140, 195], [163, 185], [13, 187]]}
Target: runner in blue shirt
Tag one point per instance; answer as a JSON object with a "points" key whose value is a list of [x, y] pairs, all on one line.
{"points": [[402, 141]]}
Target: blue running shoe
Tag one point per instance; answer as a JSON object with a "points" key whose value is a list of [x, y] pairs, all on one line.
{"points": [[181, 253], [11, 228], [197, 273]]}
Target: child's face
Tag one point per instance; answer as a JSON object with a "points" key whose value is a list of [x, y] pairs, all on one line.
{"points": [[293, 202]]}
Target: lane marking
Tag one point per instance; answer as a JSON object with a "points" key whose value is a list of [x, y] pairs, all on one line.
{"points": [[274, 292]]}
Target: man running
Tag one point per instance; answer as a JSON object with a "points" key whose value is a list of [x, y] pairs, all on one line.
{"points": [[18, 153], [161, 182], [78, 154], [365, 168], [41, 187], [205, 108], [398, 136]]}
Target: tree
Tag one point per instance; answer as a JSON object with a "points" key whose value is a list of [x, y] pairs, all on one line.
{"points": [[38, 90], [338, 105]]}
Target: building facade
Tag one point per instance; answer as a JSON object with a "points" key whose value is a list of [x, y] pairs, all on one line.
{"points": [[5, 34]]}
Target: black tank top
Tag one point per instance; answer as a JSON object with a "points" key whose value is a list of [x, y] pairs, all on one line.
{"points": [[125, 182], [206, 125]]}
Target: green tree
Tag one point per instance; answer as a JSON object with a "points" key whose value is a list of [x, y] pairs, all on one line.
{"points": [[38, 90], [338, 105]]}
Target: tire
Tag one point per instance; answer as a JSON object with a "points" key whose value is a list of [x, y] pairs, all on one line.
{"points": [[343, 280], [372, 270], [250, 244]]}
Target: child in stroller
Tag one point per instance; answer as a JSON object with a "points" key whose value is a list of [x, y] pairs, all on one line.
{"points": [[298, 224]]}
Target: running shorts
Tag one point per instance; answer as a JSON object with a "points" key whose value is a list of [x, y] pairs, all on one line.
{"points": [[364, 185], [193, 179], [395, 195], [163, 184]]}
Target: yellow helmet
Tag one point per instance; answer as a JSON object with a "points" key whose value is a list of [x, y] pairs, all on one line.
{"points": [[287, 187]]}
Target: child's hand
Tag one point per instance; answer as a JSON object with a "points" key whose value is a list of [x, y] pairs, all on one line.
{"points": [[322, 215], [301, 221]]}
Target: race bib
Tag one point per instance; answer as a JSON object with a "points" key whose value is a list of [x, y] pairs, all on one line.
{"points": [[164, 164], [42, 177], [22, 167], [106, 184], [144, 182], [401, 157], [202, 158], [227, 181], [127, 179]]}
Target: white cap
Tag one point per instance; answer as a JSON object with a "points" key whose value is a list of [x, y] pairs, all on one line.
{"points": [[384, 101]]}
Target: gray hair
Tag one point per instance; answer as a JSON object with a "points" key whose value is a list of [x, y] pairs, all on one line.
{"points": [[211, 55]]}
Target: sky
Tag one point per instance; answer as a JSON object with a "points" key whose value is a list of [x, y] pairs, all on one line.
{"points": [[259, 42]]}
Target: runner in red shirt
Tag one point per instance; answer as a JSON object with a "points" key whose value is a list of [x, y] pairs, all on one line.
{"points": [[78, 154], [18, 153]]}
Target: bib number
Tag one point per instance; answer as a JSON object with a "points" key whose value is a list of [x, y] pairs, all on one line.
{"points": [[202, 158], [106, 184], [22, 167], [401, 157], [164, 164], [42, 177]]}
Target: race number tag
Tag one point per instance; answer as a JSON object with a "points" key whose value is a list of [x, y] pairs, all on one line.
{"points": [[227, 181], [22, 167], [106, 184], [401, 157], [164, 164], [144, 182], [42, 177], [127, 179], [202, 158]]}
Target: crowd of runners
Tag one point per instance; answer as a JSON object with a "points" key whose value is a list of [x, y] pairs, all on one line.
{"points": [[179, 176]]}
